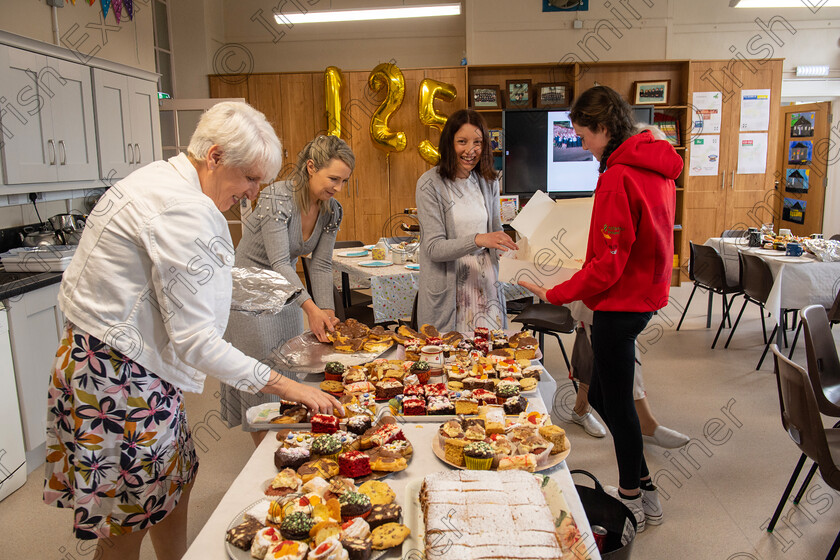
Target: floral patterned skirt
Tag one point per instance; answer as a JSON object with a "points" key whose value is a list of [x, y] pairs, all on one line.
{"points": [[119, 451]]}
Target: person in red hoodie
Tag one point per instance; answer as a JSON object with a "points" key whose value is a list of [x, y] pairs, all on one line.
{"points": [[627, 272]]}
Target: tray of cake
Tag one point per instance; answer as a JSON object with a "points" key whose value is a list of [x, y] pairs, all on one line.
{"points": [[320, 520], [462, 515], [494, 441], [351, 343], [486, 342]]}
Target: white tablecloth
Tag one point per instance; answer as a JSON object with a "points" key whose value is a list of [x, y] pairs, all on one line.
{"points": [[245, 490], [797, 281], [393, 287]]}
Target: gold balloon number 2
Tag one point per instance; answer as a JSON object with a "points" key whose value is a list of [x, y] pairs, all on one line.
{"points": [[389, 77]]}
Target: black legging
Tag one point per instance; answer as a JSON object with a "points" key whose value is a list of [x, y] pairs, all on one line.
{"points": [[611, 392]]}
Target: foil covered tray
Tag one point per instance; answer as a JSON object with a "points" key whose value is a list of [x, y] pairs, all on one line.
{"points": [[305, 355]]}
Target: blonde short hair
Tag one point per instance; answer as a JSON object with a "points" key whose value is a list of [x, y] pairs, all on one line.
{"points": [[247, 140]]}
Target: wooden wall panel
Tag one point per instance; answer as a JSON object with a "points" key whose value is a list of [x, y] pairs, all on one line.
{"points": [[264, 95], [406, 166], [229, 86]]}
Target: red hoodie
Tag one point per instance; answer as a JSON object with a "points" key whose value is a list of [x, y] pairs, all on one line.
{"points": [[629, 255]]}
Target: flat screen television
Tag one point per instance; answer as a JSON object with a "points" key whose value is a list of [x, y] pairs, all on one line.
{"points": [[542, 152]]}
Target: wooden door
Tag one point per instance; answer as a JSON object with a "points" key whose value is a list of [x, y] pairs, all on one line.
{"points": [[113, 124], [705, 196], [73, 122], [751, 197], [371, 194], [29, 150], [802, 185]]}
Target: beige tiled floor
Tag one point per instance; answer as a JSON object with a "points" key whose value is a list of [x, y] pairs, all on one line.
{"points": [[718, 492]]}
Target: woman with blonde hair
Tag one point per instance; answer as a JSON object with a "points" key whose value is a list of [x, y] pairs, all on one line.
{"points": [[144, 324], [292, 218]]}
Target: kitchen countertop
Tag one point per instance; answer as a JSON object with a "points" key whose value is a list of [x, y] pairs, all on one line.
{"points": [[16, 283]]}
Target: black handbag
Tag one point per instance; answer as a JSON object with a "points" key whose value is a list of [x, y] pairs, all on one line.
{"points": [[611, 514]]}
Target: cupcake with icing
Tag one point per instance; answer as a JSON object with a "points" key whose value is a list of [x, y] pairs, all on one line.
{"points": [[478, 456]]}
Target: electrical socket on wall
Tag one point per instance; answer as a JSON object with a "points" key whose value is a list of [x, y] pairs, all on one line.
{"points": [[55, 3]]}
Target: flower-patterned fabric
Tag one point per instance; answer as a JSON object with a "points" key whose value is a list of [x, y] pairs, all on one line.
{"points": [[119, 451]]}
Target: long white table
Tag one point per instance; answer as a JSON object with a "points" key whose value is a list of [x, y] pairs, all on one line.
{"points": [[797, 281], [245, 490]]}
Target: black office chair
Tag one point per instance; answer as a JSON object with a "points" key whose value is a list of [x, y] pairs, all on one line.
{"points": [[548, 319], [706, 270]]}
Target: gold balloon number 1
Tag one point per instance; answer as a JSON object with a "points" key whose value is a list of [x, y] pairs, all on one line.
{"points": [[388, 76]]}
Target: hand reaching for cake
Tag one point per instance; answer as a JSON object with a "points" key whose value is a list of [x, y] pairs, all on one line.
{"points": [[314, 399]]}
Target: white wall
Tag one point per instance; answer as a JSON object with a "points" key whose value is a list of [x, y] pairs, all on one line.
{"points": [[82, 29], [500, 31]]}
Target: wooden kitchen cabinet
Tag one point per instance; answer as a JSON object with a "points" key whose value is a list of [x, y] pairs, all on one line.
{"points": [[127, 123], [731, 200], [48, 122], [35, 327]]}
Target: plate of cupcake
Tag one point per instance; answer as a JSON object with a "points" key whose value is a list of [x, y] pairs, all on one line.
{"points": [[491, 441], [319, 520]]}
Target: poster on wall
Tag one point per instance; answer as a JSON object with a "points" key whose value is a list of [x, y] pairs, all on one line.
{"points": [[509, 207], [800, 152], [755, 109], [705, 112], [752, 153], [802, 124], [796, 180], [565, 6], [794, 210], [705, 153]]}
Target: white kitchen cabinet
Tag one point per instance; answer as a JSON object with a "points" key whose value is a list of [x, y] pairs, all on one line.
{"points": [[35, 327], [12, 456], [48, 123], [127, 123]]}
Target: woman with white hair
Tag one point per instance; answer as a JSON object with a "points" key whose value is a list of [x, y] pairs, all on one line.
{"points": [[292, 218], [147, 298]]}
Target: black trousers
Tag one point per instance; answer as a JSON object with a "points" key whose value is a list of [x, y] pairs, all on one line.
{"points": [[611, 391]]}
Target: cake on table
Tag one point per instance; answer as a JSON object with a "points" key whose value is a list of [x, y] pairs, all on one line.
{"points": [[476, 515]]}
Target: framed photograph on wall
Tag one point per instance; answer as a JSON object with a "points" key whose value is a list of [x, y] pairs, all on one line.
{"points": [[485, 97], [549, 96], [509, 207], [518, 94], [654, 92]]}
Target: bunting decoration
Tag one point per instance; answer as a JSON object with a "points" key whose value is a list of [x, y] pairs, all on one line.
{"points": [[117, 5], [105, 5], [129, 8]]}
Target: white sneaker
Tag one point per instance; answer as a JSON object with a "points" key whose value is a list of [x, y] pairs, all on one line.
{"points": [[636, 506], [590, 424], [667, 438], [652, 507]]}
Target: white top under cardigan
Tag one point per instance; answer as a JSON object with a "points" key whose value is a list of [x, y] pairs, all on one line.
{"points": [[151, 278]]}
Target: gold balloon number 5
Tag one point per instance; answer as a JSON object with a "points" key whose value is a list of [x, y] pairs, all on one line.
{"points": [[387, 75], [429, 91]]}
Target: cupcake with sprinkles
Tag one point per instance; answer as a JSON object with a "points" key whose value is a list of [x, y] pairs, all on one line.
{"points": [[327, 446], [354, 504]]}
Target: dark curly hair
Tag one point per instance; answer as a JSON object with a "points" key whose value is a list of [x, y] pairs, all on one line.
{"points": [[449, 160], [602, 106]]}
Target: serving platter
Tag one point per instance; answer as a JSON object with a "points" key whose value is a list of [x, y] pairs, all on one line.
{"points": [[553, 460], [306, 355]]}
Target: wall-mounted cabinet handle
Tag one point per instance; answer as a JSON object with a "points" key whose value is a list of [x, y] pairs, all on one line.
{"points": [[732, 185], [137, 153], [62, 152], [357, 187], [131, 154], [51, 146], [723, 180]]}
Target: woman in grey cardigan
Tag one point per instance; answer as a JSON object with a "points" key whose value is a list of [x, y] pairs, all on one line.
{"points": [[458, 209], [292, 218]]}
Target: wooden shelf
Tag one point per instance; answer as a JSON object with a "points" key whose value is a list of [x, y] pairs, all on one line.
{"points": [[486, 110], [655, 107], [680, 189]]}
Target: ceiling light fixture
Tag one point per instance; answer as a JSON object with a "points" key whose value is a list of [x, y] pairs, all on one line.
{"points": [[371, 14], [811, 71], [812, 4]]}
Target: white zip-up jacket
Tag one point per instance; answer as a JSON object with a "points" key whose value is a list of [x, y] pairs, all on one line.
{"points": [[152, 278]]}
